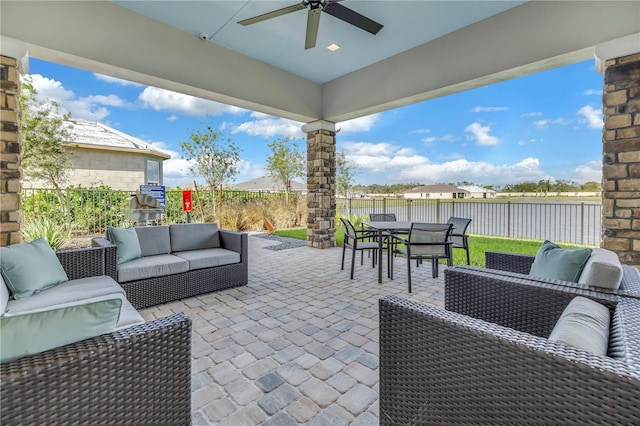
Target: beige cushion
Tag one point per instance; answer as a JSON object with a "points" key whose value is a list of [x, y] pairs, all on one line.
{"points": [[584, 324], [603, 269]]}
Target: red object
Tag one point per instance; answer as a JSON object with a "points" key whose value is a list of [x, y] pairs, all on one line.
{"points": [[187, 205]]}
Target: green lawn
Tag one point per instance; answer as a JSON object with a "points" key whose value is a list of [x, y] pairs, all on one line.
{"points": [[477, 245]]}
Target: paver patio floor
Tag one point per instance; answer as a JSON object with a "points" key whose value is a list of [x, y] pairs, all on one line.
{"points": [[298, 344]]}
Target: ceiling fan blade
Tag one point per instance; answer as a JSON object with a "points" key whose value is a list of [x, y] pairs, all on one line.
{"points": [[313, 22], [273, 14], [352, 17]]}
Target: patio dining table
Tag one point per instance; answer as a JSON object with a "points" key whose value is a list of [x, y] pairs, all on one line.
{"points": [[386, 227]]}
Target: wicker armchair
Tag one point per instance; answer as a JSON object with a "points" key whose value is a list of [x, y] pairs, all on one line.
{"points": [[486, 358], [517, 265], [138, 375]]}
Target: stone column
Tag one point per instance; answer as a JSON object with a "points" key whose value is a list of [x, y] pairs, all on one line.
{"points": [[321, 184], [621, 159], [13, 60]]}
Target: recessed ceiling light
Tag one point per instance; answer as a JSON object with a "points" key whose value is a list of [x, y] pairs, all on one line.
{"points": [[333, 47]]}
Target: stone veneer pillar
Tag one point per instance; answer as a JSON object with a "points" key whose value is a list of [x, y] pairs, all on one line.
{"points": [[321, 184], [10, 170], [621, 160]]}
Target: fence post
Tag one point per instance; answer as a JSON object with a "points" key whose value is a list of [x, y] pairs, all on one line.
{"points": [[453, 207], [581, 223], [384, 205], [409, 202], [438, 210], [508, 218], [349, 205]]}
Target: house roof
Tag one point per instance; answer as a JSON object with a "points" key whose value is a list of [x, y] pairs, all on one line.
{"points": [[267, 183], [476, 188], [89, 134], [435, 188]]}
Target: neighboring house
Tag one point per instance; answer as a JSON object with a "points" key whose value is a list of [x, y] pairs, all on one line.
{"points": [[268, 184], [436, 192], [476, 191], [104, 156]]}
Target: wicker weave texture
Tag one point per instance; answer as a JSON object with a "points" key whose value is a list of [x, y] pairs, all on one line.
{"points": [[443, 368]]}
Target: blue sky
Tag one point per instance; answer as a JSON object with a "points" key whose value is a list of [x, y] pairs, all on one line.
{"points": [[543, 126]]}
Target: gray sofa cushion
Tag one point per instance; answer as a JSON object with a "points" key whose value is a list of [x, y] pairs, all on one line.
{"points": [[4, 295], [150, 267], [69, 292], [154, 240], [603, 269], [207, 258], [194, 236], [584, 324]]}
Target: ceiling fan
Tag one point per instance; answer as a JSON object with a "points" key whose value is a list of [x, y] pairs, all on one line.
{"points": [[332, 7]]}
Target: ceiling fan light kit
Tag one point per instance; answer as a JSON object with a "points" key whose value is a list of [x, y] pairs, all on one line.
{"points": [[332, 7]]}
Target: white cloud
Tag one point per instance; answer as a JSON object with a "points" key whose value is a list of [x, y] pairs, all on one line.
{"points": [[446, 138], [481, 134], [361, 124], [591, 92], [116, 80], [531, 114], [588, 172], [592, 116], [419, 131], [488, 109], [90, 108], [166, 100], [172, 117], [271, 127], [542, 124]]}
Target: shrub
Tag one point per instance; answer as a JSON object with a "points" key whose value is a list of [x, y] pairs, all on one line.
{"points": [[55, 233]]}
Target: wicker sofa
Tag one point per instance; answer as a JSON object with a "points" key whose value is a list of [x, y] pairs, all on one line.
{"points": [[518, 266], [136, 375], [179, 261], [486, 358]]}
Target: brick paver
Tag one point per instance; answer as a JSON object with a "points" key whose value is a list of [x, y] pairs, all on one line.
{"points": [[298, 344]]}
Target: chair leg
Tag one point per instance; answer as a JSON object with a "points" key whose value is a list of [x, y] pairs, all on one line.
{"points": [[468, 259], [344, 248], [353, 261], [434, 267], [409, 272]]}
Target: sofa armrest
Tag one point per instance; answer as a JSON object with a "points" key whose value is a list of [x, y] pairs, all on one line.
{"points": [[513, 262], [110, 256], [440, 367], [518, 303], [82, 263], [235, 241], [138, 375]]}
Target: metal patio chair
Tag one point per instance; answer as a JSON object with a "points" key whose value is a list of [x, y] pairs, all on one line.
{"points": [[425, 241], [357, 240], [459, 237]]}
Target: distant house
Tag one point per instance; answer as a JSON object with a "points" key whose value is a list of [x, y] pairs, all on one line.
{"points": [[478, 191], [436, 192], [104, 156], [268, 184]]}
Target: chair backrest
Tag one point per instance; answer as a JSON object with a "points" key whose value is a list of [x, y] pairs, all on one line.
{"points": [[460, 225], [350, 232], [382, 217], [429, 239]]}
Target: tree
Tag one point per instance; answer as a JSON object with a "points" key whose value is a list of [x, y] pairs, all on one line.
{"points": [[211, 158], [345, 171], [286, 162], [44, 130]]}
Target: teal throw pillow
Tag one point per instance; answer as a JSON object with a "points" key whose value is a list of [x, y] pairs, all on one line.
{"points": [[127, 241], [28, 268], [33, 332], [557, 263]]}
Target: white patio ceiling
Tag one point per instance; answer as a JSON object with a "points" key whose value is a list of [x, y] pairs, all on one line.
{"points": [[426, 48]]}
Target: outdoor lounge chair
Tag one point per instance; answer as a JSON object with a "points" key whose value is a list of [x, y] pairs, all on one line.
{"points": [[486, 358]]}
